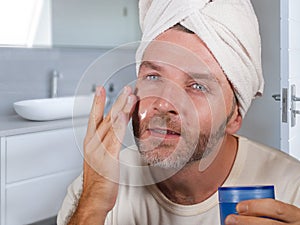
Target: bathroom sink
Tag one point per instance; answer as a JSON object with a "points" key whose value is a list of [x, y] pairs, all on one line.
{"points": [[54, 108]]}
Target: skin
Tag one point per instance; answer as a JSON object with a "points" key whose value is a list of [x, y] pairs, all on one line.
{"points": [[189, 185], [183, 187], [101, 151], [182, 93]]}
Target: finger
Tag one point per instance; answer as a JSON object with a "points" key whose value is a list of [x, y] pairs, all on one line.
{"points": [[120, 103], [105, 159], [269, 208], [250, 220], [96, 114], [106, 126], [98, 137], [127, 109], [109, 137], [114, 138]]}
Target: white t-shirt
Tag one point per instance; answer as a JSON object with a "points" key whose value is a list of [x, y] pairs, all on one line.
{"points": [[255, 164]]}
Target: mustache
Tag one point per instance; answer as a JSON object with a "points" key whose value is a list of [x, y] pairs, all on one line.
{"points": [[164, 121], [159, 120]]}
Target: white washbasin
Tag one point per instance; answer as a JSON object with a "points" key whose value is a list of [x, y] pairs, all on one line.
{"points": [[54, 108]]}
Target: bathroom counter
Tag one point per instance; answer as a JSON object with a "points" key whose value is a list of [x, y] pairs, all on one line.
{"points": [[14, 125]]}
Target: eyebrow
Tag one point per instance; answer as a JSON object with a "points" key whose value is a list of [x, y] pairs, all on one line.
{"points": [[151, 65], [195, 75], [200, 76]]}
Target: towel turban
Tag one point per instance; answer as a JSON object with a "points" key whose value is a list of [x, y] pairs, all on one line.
{"points": [[229, 28]]}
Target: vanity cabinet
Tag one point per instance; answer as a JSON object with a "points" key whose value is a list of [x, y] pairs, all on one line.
{"points": [[36, 169]]}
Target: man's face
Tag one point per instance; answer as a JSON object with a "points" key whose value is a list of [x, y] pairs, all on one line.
{"points": [[184, 103]]}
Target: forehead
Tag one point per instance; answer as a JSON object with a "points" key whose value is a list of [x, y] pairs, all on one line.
{"points": [[166, 53], [184, 51]]}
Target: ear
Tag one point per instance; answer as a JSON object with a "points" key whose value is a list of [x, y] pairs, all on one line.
{"points": [[235, 122]]}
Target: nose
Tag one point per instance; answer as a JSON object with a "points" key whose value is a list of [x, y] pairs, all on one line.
{"points": [[164, 104], [168, 98]]}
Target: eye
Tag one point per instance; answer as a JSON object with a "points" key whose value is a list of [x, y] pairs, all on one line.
{"points": [[199, 87], [152, 77]]}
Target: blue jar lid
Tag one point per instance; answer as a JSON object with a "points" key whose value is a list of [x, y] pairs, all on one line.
{"points": [[237, 194]]}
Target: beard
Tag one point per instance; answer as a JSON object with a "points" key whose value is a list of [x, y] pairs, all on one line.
{"points": [[192, 145]]}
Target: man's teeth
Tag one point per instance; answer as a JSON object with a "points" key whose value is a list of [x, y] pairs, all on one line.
{"points": [[160, 131], [164, 132]]}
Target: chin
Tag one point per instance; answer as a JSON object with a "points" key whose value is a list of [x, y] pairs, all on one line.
{"points": [[166, 157]]}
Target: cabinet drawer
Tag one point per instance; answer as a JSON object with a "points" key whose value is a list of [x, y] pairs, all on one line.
{"points": [[37, 199], [37, 154]]}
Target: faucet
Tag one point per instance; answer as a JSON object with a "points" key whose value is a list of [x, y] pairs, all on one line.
{"points": [[54, 83]]}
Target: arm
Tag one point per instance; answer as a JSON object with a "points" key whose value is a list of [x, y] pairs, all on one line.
{"points": [[251, 212], [101, 152]]}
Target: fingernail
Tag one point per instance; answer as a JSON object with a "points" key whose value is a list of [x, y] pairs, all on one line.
{"points": [[242, 208], [130, 99], [230, 220], [126, 90], [98, 91]]}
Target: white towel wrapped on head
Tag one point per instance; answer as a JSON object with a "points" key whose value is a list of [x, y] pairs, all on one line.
{"points": [[229, 28]]}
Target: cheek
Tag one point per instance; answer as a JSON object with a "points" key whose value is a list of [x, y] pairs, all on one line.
{"points": [[211, 113], [143, 109], [203, 113]]}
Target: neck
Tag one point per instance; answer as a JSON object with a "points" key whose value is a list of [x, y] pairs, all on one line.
{"points": [[195, 183]]}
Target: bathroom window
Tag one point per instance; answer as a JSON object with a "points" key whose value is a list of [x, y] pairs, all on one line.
{"points": [[25, 23]]}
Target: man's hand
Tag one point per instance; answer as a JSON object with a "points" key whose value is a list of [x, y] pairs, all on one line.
{"points": [[102, 146], [258, 212]]}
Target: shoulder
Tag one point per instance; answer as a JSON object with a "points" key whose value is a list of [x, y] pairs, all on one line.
{"points": [[261, 150], [267, 163], [263, 165]]}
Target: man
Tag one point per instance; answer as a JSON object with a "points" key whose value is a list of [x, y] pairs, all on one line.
{"points": [[196, 79]]}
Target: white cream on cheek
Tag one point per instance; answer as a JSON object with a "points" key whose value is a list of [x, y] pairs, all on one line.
{"points": [[143, 115]]}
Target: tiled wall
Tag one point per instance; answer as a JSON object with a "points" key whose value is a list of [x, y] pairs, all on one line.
{"points": [[25, 73]]}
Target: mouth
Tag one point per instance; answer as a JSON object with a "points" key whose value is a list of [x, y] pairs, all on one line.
{"points": [[164, 133]]}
